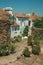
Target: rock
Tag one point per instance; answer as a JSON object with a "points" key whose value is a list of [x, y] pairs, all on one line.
{"points": [[4, 31]]}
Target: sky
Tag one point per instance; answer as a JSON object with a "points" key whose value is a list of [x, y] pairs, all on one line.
{"points": [[24, 6]]}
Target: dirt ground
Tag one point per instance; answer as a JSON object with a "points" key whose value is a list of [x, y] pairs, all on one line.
{"points": [[12, 58]]}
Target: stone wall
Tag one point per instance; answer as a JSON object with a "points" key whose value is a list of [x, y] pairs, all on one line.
{"points": [[4, 32], [38, 31]]}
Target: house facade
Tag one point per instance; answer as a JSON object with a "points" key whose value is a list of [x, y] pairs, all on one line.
{"points": [[24, 20], [18, 22], [15, 30]]}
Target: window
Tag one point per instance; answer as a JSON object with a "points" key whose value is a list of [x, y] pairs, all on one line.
{"points": [[15, 28]]}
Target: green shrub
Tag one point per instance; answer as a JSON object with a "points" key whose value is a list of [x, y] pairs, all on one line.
{"points": [[36, 39], [36, 36], [25, 31], [18, 38], [30, 40], [36, 42], [12, 48], [36, 49], [5, 49], [5, 46], [4, 52], [26, 52], [38, 23]]}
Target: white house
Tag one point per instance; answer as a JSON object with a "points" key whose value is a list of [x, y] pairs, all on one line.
{"points": [[15, 30], [18, 22], [24, 20]]}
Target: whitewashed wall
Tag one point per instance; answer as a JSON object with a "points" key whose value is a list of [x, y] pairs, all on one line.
{"points": [[14, 33]]}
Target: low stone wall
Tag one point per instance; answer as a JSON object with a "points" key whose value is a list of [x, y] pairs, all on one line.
{"points": [[37, 31], [4, 32]]}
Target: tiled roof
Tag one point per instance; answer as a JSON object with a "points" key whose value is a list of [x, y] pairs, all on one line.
{"points": [[21, 15], [14, 24], [34, 16], [3, 12], [4, 17]]}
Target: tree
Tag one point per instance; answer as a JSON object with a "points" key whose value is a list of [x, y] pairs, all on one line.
{"points": [[25, 31], [38, 23]]}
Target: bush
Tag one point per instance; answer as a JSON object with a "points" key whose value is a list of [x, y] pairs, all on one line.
{"points": [[25, 31], [4, 52], [18, 38], [38, 23], [36, 49], [33, 40], [36, 39], [12, 48], [36, 42], [30, 40], [26, 52], [5, 46], [5, 49]]}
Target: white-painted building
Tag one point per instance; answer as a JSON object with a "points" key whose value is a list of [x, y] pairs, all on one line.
{"points": [[15, 30], [18, 22], [24, 20]]}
